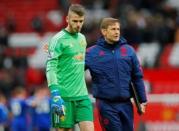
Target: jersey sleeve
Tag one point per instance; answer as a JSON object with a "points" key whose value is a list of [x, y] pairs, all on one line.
{"points": [[55, 51]]}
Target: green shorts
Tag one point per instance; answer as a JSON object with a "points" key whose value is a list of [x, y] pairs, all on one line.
{"points": [[75, 112]]}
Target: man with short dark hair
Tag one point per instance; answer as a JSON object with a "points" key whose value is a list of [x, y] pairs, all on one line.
{"points": [[65, 75]]}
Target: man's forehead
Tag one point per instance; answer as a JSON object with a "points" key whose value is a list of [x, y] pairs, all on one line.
{"points": [[77, 17], [116, 25], [74, 15]]}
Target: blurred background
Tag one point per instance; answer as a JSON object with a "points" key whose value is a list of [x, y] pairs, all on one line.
{"points": [[150, 26]]}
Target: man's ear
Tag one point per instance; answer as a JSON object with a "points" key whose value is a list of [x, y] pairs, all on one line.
{"points": [[67, 19], [103, 31]]}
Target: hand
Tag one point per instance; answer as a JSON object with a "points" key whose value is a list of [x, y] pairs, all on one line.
{"points": [[143, 106], [57, 104]]}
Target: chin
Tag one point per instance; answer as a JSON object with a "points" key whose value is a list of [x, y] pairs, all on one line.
{"points": [[78, 30], [116, 40]]}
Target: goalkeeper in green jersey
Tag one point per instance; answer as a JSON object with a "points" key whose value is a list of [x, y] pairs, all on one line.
{"points": [[70, 103]]}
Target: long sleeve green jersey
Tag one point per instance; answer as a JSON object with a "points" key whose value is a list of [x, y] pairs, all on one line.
{"points": [[65, 64]]}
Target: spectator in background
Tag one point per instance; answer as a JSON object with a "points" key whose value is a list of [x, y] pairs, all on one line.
{"points": [[64, 4], [113, 65], [6, 82], [18, 109], [40, 111], [3, 38], [10, 23], [37, 24], [3, 113]]}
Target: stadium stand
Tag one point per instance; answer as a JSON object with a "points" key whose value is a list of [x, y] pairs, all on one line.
{"points": [[24, 11]]}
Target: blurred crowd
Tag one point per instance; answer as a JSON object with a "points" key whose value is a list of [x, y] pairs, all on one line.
{"points": [[23, 112], [141, 20]]}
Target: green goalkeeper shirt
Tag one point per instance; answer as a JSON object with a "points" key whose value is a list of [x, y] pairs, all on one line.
{"points": [[65, 65]]}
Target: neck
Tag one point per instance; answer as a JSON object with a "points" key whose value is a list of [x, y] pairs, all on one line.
{"points": [[109, 42], [68, 29]]}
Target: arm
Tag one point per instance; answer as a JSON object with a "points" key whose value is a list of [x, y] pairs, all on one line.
{"points": [[137, 80], [88, 57], [87, 60], [57, 103], [51, 65]]}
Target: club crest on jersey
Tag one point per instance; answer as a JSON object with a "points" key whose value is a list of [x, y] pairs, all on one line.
{"points": [[83, 43]]}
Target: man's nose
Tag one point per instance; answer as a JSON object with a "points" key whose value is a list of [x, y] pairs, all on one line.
{"points": [[117, 31], [78, 23]]}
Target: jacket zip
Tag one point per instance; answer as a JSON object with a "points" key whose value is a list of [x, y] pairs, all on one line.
{"points": [[116, 72]]}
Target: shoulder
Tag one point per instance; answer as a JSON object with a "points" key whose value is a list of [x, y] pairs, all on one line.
{"points": [[129, 47], [124, 44], [57, 39], [126, 48], [82, 36], [59, 35], [91, 49]]}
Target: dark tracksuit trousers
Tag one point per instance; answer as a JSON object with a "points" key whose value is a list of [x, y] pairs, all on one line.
{"points": [[115, 116]]}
